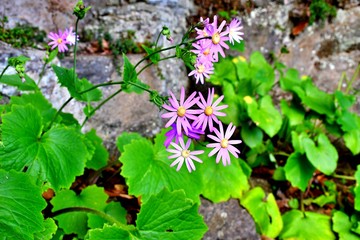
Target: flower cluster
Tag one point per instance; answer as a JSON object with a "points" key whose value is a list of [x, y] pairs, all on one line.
{"points": [[62, 39], [212, 40], [192, 122], [185, 120]]}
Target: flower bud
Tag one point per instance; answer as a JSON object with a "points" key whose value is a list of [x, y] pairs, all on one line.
{"points": [[80, 9]]}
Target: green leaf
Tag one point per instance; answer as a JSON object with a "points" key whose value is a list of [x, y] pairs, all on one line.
{"points": [[306, 225], [170, 215], [129, 74], [240, 47], [357, 189], [234, 110], [342, 225], [220, 183], [298, 170], [352, 141], [112, 233], [324, 156], [291, 81], [101, 155], [145, 163], [155, 57], [224, 71], [344, 101], [56, 156], [21, 204], [264, 210], [50, 228], [325, 199], [39, 102], [75, 86], [264, 115], [261, 73], [16, 81], [251, 135], [76, 222], [126, 138], [113, 209], [295, 114]]}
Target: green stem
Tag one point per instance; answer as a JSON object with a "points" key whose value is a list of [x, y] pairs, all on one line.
{"points": [[41, 73], [58, 112], [302, 208], [352, 178], [101, 85], [353, 79], [157, 40], [75, 46], [103, 215], [3, 71], [151, 63], [100, 105]]}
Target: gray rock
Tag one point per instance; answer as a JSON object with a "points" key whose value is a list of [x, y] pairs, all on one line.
{"points": [[227, 220]]}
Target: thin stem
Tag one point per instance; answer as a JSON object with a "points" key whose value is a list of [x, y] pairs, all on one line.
{"points": [[141, 87], [42, 73], [101, 85], [352, 178], [353, 79], [302, 202], [3, 71], [103, 215], [59, 111], [157, 40], [75, 46], [100, 105], [151, 63]]}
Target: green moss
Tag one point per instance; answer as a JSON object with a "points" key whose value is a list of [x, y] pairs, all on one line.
{"points": [[321, 10]]}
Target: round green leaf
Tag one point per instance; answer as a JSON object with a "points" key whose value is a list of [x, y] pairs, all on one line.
{"points": [[251, 135], [171, 216], [110, 233], [147, 170], [113, 209], [298, 170], [264, 114], [352, 141], [220, 183], [55, 157], [76, 222], [101, 155], [21, 204], [342, 225], [50, 228], [323, 156], [306, 225], [264, 210]]}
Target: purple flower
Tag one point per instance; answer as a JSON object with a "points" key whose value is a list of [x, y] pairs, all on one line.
{"points": [[58, 40], [234, 30], [210, 111], [183, 154], [218, 38], [202, 70], [180, 112], [223, 145], [194, 133], [171, 135]]}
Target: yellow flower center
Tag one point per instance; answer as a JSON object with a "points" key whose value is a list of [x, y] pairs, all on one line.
{"points": [[201, 68], [205, 33], [207, 51], [185, 153], [216, 38], [59, 40], [208, 111], [224, 143], [181, 111]]}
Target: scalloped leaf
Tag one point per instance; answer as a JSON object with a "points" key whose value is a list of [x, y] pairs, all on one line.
{"points": [[50, 228], [306, 225], [44, 155], [101, 155], [147, 170], [343, 225], [170, 215], [77, 222], [112, 232], [264, 210], [220, 183], [21, 204]]}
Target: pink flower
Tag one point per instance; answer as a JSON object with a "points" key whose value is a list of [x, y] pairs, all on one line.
{"points": [[202, 70], [218, 38], [58, 40], [180, 112], [183, 154], [210, 111], [202, 50], [223, 145], [234, 30]]}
